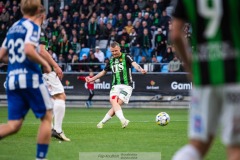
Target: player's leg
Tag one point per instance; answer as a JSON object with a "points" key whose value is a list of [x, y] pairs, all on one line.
{"points": [[17, 109], [56, 90], [90, 97], [59, 113], [106, 118], [124, 95], [40, 102], [13, 126], [231, 127], [203, 122], [44, 135]]}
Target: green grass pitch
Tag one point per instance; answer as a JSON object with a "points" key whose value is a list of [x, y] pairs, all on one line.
{"points": [[142, 135]]}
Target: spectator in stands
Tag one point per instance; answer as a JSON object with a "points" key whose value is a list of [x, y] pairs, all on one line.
{"points": [[136, 11], [72, 35], [119, 22], [164, 22], [61, 62], [52, 13], [147, 18], [53, 44], [102, 9], [84, 66], [1, 6], [124, 35], [156, 66], [93, 60], [75, 45], [112, 37], [74, 63], [174, 65], [160, 42], [134, 49], [64, 46], [74, 7], [124, 47], [102, 19], [75, 18], [99, 54], [155, 9], [92, 33], [102, 31], [138, 18], [86, 9], [143, 62], [3, 32], [95, 5], [144, 41], [53, 54], [55, 31], [15, 14], [4, 16], [82, 38], [168, 55], [111, 19], [111, 6], [109, 30], [83, 19], [156, 22], [142, 4], [128, 27]]}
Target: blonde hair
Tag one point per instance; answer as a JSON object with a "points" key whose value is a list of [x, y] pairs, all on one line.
{"points": [[30, 7]]}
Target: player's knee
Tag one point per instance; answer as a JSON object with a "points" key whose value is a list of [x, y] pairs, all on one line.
{"points": [[187, 152], [15, 126], [113, 99]]}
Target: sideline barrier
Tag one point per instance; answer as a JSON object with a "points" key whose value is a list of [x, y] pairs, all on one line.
{"points": [[165, 84]]}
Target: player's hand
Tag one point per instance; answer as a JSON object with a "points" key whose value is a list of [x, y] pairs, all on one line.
{"points": [[143, 71], [88, 79], [59, 72]]}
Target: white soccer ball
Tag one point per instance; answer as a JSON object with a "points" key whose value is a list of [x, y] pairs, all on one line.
{"points": [[162, 119]]}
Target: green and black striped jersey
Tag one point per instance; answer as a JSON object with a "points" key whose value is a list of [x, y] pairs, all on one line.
{"points": [[215, 39], [121, 69]]}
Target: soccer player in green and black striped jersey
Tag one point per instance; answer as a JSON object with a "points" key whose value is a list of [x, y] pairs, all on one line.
{"points": [[214, 65], [120, 64]]}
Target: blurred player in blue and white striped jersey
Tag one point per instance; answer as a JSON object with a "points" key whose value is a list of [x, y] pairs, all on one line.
{"points": [[24, 83]]}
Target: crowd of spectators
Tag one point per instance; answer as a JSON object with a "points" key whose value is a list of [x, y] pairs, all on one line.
{"points": [[140, 26]]}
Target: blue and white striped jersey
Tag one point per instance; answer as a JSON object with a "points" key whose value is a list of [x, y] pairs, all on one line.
{"points": [[22, 72]]}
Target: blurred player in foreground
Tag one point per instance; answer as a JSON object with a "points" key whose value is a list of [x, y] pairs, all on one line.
{"points": [[214, 66], [25, 87], [53, 82], [90, 87], [120, 64]]}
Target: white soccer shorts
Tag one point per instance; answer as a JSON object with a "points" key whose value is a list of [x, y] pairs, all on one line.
{"points": [[123, 92], [53, 83], [213, 107]]}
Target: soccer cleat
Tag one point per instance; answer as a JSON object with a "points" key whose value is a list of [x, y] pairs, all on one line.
{"points": [[100, 125], [60, 136], [125, 123]]}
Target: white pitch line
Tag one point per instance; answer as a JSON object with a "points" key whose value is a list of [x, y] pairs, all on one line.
{"points": [[108, 122]]}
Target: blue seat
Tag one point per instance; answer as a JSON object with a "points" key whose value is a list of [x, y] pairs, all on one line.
{"points": [[159, 58], [165, 68], [108, 53], [84, 51]]}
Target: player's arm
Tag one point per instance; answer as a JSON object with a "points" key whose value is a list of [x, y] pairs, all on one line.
{"points": [[44, 53], [31, 53], [4, 53], [138, 68], [177, 36], [99, 75], [81, 78]]}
